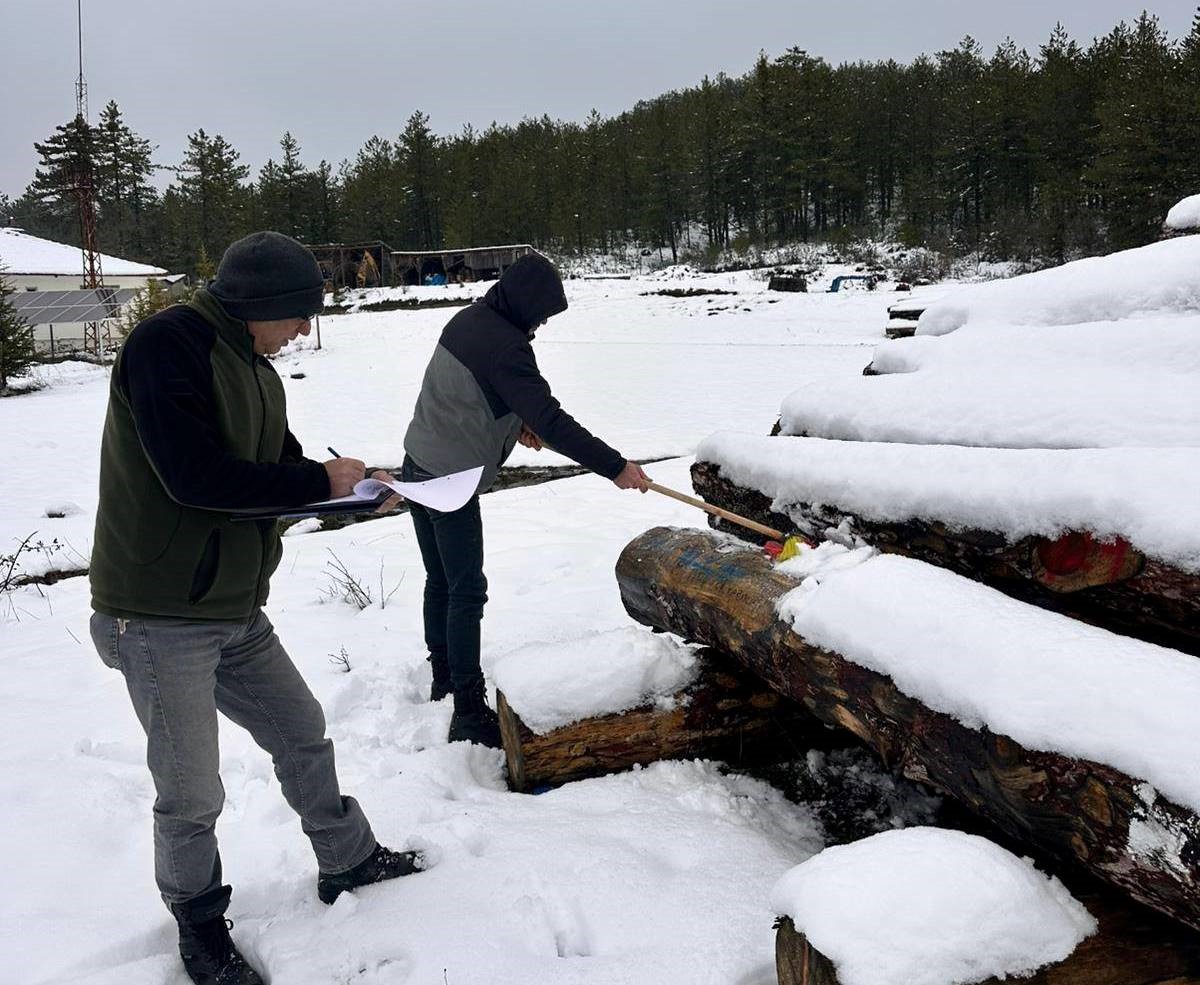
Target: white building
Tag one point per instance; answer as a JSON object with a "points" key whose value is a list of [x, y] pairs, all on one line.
{"points": [[34, 264], [30, 263]]}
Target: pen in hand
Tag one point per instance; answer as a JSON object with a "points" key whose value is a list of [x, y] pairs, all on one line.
{"points": [[332, 452]]}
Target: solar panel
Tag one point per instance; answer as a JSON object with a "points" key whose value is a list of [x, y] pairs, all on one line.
{"points": [[61, 307]]}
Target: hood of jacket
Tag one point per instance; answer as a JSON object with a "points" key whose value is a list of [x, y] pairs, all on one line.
{"points": [[527, 293]]}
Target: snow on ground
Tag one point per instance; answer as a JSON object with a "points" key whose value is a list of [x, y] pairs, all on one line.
{"points": [[651, 375], [1146, 495], [657, 876], [1049, 682], [930, 907]]}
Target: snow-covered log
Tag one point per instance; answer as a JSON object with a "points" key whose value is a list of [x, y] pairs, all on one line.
{"points": [[1118, 827], [1131, 948], [727, 713], [1109, 584]]}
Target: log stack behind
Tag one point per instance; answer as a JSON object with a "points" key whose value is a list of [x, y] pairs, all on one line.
{"points": [[1113, 586]]}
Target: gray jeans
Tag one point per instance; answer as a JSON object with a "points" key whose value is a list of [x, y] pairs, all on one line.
{"points": [[179, 675]]}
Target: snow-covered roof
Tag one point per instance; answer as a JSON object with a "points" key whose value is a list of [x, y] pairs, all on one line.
{"points": [[21, 253], [1184, 215]]}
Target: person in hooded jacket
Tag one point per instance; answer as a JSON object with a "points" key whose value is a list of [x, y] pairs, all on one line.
{"points": [[481, 394]]}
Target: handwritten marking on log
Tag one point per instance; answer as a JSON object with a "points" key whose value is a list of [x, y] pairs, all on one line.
{"points": [[1079, 810]]}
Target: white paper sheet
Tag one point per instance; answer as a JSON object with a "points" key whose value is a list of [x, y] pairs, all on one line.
{"points": [[444, 494]]}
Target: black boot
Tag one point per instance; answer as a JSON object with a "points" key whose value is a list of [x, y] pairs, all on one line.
{"points": [[473, 720], [382, 864], [210, 957], [441, 677]]}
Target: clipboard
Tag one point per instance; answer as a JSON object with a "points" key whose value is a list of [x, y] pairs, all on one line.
{"points": [[445, 493]]}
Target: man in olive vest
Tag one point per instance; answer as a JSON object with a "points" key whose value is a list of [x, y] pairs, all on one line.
{"points": [[197, 429]]}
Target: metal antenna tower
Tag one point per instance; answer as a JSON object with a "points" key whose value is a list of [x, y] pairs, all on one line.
{"points": [[81, 106], [83, 187]]}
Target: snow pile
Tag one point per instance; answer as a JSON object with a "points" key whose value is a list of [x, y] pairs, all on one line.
{"points": [[930, 907], [1184, 215], [21, 253], [825, 557], [1047, 681], [550, 685], [1145, 495], [1139, 344], [1091, 385], [1161, 277]]}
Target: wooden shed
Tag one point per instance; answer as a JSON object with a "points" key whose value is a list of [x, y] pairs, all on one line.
{"points": [[455, 266], [356, 264]]}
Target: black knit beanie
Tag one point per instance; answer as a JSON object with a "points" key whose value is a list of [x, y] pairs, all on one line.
{"points": [[267, 277]]}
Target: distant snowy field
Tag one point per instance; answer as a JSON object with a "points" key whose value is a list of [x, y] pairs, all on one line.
{"points": [[659, 876]]}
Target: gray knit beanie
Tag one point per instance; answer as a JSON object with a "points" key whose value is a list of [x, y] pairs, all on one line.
{"points": [[268, 276]]}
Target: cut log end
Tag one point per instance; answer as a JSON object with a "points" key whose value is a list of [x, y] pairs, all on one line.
{"points": [[1076, 561]]}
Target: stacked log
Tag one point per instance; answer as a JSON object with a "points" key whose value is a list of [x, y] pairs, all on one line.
{"points": [[1108, 584], [1131, 947], [727, 714], [689, 583]]}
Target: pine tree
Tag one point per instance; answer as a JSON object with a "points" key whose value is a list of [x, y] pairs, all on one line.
{"points": [[206, 267], [211, 196], [1134, 162], [270, 208], [17, 350], [1185, 112], [295, 188], [152, 298], [369, 192], [123, 189], [1061, 132], [324, 214], [67, 161], [418, 167]]}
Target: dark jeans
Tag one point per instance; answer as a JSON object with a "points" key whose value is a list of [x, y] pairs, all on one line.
{"points": [[455, 587]]}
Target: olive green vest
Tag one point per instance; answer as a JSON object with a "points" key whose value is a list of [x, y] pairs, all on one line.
{"points": [[153, 556]]}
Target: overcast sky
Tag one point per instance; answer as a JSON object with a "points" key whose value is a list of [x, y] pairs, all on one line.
{"points": [[336, 73]]}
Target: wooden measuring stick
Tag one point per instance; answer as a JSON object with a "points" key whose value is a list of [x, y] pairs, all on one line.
{"points": [[717, 511]]}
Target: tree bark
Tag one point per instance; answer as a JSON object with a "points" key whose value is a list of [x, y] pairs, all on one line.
{"points": [[727, 714], [1108, 585], [687, 582], [1132, 947]]}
